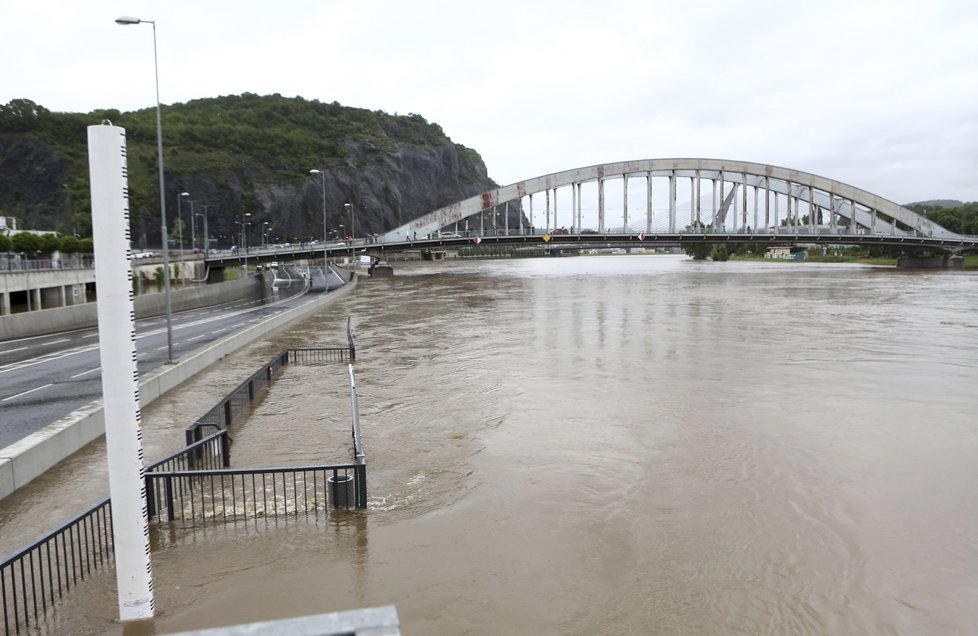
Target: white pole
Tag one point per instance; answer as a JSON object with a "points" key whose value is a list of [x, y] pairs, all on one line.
{"points": [[120, 387]]}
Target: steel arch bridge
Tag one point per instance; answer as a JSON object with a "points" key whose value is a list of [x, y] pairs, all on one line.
{"points": [[724, 196]]}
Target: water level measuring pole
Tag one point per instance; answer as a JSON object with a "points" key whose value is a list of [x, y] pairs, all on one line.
{"points": [[120, 376]]}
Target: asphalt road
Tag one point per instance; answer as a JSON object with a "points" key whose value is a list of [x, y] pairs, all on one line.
{"points": [[43, 379]]}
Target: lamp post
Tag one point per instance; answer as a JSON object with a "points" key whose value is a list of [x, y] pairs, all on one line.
{"points": [[126, 20], [244, 238], [264, 229], [322, 173], [353, 227], [204, 216], [207, 237], [180, 227], [193, 228]]}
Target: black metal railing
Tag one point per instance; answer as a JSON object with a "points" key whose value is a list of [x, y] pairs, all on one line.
{"points": [[236, 495], [238, 402], [195, 484], [36, 577], [316, 356]]}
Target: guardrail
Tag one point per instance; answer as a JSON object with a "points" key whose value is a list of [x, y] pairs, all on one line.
{"points": [[20, 264]]}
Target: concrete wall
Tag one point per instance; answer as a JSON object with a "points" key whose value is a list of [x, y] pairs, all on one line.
{"points": [[45, 321], [29, 458]]}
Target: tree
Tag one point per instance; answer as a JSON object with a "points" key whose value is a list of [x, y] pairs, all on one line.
{"points": [[699, 251], [49, 243], [69, 245], [6, 244], [26, 242]]}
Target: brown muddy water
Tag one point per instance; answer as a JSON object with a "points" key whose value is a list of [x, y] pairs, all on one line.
{"points": [[596, 445]]}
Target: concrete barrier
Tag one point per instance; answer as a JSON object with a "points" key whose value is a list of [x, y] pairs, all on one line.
{"points": [[30, 457], [46, 321]]}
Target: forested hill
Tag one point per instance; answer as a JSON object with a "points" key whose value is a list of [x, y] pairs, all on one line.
{"points": [[234, 155]]}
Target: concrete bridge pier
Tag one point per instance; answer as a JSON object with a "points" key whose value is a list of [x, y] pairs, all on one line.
{"points": [[946, 261]]}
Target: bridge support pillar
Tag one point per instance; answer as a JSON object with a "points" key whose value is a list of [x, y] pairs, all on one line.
{"points": [[948, 261]]}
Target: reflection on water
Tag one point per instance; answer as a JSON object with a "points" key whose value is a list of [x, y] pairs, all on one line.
{"points": [[609, 445]]}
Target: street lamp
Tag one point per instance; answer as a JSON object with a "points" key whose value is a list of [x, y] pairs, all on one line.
{"points": [[264, 229], [207, 237], [353, 227], [180, 227], [244, 238], [322, 173], [193, 228], [125, 21], [204, 216]]}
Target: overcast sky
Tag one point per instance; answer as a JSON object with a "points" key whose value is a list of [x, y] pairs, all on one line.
{"points": [[882, 95]]}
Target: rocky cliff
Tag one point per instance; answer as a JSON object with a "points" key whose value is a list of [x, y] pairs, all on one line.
{"points": [[244, 161]]}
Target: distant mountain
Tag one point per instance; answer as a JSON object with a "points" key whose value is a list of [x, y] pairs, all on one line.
{"points": [[237, 155], [937, 203]]}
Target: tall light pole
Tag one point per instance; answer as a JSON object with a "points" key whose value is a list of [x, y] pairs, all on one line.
{"points": [[353, 228], [264, 228], [244, 237], [193, 228], [180, 228], [207, 236], [322, 173], [126, 20], [204, 216], [353, 220]]}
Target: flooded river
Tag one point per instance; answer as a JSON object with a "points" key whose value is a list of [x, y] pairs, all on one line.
{"points": [[598, 445]]}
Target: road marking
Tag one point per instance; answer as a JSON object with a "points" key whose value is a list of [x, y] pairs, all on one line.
{"points": [[78, 375], [58, 341], [26, 392], [91, 335], [203, 335], [12, 350], [219, 331]]}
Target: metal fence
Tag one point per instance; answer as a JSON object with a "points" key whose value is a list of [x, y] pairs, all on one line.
{"points": [[193, 485], [252, 493], [237, 403], [316, 356], [36, 577]]}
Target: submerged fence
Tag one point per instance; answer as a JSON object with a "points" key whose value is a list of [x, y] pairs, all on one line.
{"points": [[193, 485], [36, 577], [253, 493]]}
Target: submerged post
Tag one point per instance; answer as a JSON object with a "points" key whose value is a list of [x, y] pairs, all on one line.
{"points": [[120, 387], [349, 336]]}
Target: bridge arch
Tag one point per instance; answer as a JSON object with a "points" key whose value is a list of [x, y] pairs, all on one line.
{"points": [[750, 195]]}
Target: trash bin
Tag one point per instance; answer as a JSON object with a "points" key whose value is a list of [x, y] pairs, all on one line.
{"points": [[342, 492]]}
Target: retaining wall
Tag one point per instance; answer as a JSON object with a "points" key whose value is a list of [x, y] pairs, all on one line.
{"points": [[46, 321]]}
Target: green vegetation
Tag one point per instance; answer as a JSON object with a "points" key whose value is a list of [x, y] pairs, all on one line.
{"points": [[962, 219], [34, 244], [214, 134], [260, 138]]}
